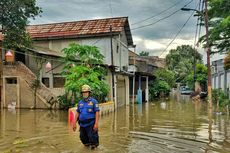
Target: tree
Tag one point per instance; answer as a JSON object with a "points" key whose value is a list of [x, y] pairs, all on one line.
{"points": [[166, 75], [201, 76], [14, 16], [219, 23], [144, 53], [164, 81], [181, 61], [83, 65]]}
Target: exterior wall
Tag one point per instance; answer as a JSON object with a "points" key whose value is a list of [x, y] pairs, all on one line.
{"points": [[220, 76], [11, 94], [122, 87], [20, 93], [103, 43], [109, 81]]}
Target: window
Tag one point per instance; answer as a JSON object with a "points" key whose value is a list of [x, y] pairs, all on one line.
{"points": [[46, 81], [11, 80], [59, 82]]}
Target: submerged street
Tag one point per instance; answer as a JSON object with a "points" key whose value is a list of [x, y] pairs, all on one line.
{"points": [[176, 125]]}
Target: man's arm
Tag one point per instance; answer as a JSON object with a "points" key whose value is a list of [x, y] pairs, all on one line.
{"points": [[95, 127]]}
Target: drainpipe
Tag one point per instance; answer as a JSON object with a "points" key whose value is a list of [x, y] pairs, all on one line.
{"points": [[147, 89], [120, 51], [139, 92], [112, 64], [134, 63]]}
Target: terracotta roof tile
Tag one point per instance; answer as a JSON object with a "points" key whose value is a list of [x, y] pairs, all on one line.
{"points": [[78, 28]]}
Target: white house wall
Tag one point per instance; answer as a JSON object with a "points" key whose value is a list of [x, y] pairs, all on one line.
{"points": [[120, 52]]}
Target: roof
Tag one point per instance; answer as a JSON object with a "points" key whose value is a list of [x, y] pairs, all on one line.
{"points": [[85, 28], [45, 51]]}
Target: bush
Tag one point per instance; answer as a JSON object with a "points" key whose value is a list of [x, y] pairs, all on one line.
{"points": [[219, 95], [159, 87]]}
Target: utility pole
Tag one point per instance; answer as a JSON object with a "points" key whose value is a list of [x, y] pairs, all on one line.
{"points": [[208, 55], [1, 51], [208, 49], [1, 75], [112, 64]]}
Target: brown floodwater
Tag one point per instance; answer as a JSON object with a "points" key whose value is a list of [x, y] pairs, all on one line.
{"points": [[165, 126]]}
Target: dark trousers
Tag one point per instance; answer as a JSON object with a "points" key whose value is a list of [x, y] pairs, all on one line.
{"points": [[88, 136]]}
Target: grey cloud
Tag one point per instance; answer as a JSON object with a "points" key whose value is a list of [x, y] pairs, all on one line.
{"points": [[136, 10]]}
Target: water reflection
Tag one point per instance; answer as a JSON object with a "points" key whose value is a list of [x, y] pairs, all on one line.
{"points": [[164, 126]]}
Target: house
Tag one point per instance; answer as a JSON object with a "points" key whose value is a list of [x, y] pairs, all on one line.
{"points": [[220, 76], [111, 35], [143, 67]]}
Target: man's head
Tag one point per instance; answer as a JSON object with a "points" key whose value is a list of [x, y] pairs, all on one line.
{"points": [[85, 90]]}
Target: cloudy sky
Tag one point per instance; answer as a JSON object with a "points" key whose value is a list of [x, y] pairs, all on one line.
{"points": [[154, 38]]}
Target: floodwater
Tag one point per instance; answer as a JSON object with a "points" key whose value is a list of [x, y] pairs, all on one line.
{"points": [[164, 126]]}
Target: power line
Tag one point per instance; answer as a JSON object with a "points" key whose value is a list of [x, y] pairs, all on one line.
{"points": [[178, 2], [161, 18], [177, 34], [197, 25], [202, 8], [110, 6]]}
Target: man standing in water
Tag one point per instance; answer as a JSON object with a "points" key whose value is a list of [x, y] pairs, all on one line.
{"points": [[87, 116]]}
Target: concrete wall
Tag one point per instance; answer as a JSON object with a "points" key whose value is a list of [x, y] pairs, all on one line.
{"points": [[120, 50], [20, 93], [105, 108]]}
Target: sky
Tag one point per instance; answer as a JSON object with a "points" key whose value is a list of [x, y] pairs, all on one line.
{"points": [[154, 38]]}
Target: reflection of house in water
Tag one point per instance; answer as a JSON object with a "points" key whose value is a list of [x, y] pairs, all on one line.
{"points": [[143, 66], [112, 36]]}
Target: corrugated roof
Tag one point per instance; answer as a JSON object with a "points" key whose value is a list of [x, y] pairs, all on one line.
{"points": [[84, 28]]}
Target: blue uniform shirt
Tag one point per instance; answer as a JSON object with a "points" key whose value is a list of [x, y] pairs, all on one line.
{"points": [[87, 110]]}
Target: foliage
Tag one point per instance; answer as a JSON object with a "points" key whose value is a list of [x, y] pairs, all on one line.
{"points": [[181, 61], [83, 65], [220, 98], [144, 53], [158, 87], [65, 102], [219, 23], [166, 75], [201, 76], [14, 19], [227, 62], [164, 81]]}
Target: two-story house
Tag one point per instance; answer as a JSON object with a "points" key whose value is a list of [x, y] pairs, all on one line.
{"points": [[111, 35]]}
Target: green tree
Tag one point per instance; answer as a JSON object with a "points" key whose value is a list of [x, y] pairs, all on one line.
{"points": [[167, 76], [181, 61], [158, 87], [144, 53], [219, 23], [162, 84], [201, 76], [14, 16], [83, 65]]}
